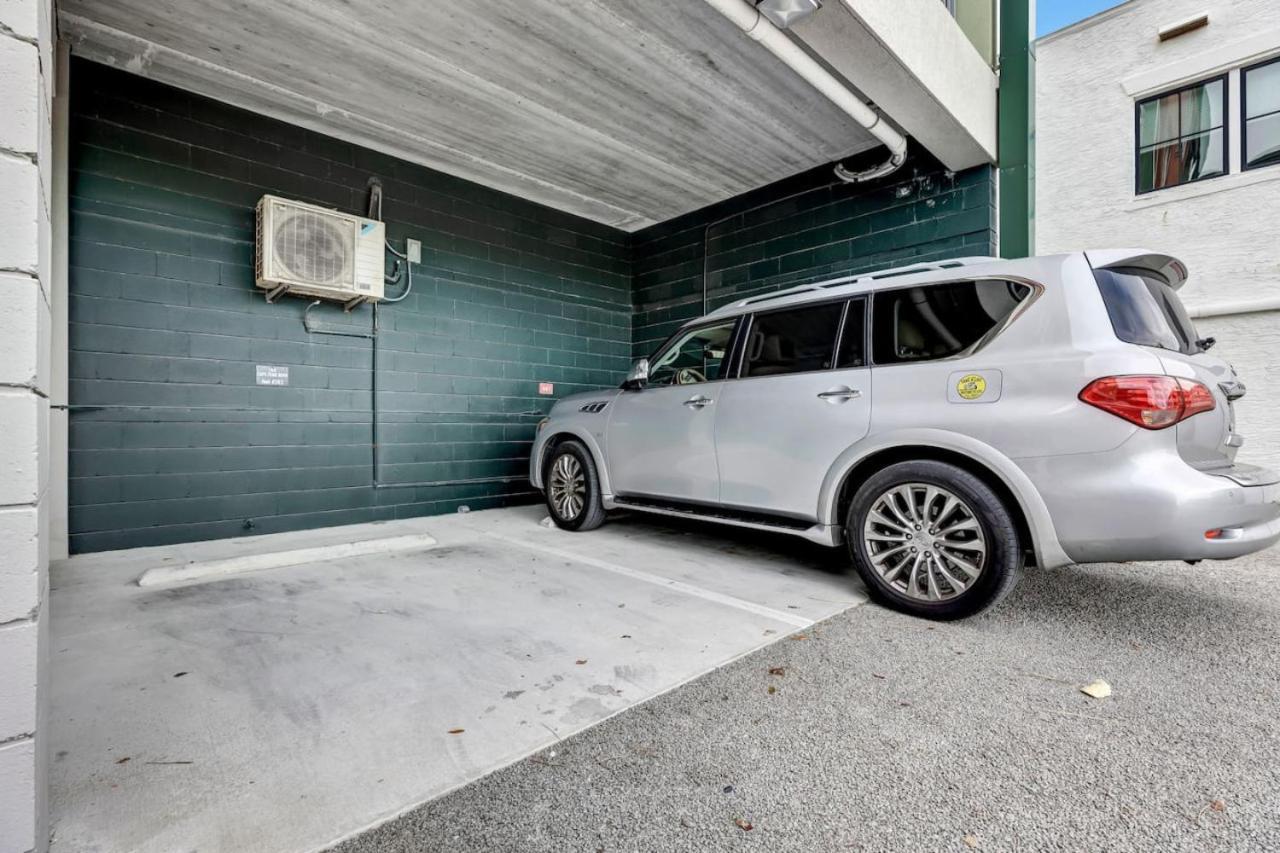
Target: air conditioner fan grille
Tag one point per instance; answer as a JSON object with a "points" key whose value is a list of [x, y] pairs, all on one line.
{"points": [[313, 248]]}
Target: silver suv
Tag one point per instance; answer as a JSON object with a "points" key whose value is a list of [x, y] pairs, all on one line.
{"points": [[949, 423]]}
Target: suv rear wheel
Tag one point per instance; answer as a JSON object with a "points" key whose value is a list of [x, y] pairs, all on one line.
{"points": [[573, 488], [932, 540]]}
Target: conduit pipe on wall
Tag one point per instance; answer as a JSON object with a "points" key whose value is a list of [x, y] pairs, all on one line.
{"points": [[748, 19]]}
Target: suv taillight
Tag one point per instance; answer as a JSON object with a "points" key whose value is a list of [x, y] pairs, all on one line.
{"points": [[1151, 402]]}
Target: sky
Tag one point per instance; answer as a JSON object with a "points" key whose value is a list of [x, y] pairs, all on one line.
{"points": [[1055, 14]]}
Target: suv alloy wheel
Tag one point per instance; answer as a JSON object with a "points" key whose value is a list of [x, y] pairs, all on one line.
{"points": [[932, 540], [573, 488]]}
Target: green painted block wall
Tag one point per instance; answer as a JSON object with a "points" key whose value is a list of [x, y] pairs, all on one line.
{"points": [[172, 439], [802, 229]]}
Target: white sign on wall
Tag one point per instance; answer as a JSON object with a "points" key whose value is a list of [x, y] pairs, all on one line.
{"points": [[269, 374]]}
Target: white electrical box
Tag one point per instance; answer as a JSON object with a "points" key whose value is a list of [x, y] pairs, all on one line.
{"points": [[306, 250]]}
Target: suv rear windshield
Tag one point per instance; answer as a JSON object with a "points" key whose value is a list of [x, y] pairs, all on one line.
{"points": [[1146, 311]]}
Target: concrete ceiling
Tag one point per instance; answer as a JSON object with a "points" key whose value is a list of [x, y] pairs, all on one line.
{"points": [[627, 112]]}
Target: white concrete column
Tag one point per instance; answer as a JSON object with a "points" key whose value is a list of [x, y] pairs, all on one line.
{"points": [[26, 88]]}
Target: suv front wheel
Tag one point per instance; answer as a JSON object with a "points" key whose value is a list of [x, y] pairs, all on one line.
{"points": [[932, 540], [573, 488]]}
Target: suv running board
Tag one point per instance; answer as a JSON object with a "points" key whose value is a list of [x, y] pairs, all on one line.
{"points": [[822, 534]]}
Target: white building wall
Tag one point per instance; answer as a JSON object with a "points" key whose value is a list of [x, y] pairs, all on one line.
{"points": [[26, 60], [1226, 229]]}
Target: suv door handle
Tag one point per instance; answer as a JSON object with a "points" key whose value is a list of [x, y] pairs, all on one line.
{"points": [[698, 402], [840, 395]]}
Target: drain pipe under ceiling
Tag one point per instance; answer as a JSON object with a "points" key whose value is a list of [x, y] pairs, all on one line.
{"points": [[748, 19]]}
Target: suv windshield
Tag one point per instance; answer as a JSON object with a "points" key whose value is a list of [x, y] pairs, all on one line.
{"points": [[1146, 311]]}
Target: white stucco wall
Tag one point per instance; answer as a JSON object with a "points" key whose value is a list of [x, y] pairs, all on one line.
{"points": [[26, 57], [1226, 229]]}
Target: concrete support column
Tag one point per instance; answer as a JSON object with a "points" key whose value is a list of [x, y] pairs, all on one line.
{"points": [[26, 107]]}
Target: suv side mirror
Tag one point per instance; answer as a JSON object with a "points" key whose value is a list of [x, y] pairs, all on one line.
{"points": [[638, 376]]}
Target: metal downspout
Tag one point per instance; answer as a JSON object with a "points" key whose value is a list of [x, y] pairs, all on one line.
{"points": [[748, 19]]}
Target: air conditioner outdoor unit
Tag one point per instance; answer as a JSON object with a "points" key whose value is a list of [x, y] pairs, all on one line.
{"points": [[307, 250]]}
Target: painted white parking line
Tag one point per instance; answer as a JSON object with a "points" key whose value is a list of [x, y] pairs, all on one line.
{"points": [[202, 570], [658, 580]]}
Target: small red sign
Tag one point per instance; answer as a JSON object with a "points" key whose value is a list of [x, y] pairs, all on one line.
{"points": [[546, 389]]}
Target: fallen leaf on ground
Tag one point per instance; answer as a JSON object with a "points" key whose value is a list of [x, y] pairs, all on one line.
{"points": [[777, 670], [580, 662], [1218, 806], [1098, 689], [178, 674], [877, 675], [971, 840], [798, 637], [744, 824], [456, 731], [123, 760], [772, 690]]}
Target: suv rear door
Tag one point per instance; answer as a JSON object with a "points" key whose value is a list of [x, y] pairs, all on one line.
{"points": [[802, 395], [1140, 292]]}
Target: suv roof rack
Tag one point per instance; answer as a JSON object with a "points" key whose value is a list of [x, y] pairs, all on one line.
{"points": [[950, 263]]}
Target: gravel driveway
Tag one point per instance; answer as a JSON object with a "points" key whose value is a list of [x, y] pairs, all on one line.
{"points": [[875, 731]]}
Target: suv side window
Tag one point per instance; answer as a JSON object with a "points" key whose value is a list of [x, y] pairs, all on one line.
{"points": [[696, 355], [792, 340], [940, 320]]}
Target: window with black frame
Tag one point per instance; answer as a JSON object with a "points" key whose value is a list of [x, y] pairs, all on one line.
{"points": [[1182, 136], [696, 355], [793, 340], [1260, 103], [934, 321]]}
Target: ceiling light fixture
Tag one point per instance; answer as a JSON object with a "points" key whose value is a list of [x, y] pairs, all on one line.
{"points": [[784, 13]]}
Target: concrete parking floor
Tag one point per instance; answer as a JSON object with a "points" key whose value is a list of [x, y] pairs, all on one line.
{"points": [[284, 709], [873, 731]]}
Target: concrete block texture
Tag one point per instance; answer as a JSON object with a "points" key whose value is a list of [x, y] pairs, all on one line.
{"points": [[20, 458], [26, 43], [24, 332], [24, 19], [22, 214], [20, 81], [18, 675], [20, 566], [167, 330], [1251, 343], [801, 230], [17, 797], [1223, 228]]}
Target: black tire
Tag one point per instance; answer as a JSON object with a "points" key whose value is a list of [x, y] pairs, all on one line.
{"points": [[591, 514], [1003, 561]]}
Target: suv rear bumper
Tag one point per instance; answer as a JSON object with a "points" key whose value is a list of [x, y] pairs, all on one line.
{"points": [[1121, 505]]}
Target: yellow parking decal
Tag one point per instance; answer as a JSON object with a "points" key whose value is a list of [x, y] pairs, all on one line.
{"points": [[971, 386]]}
